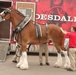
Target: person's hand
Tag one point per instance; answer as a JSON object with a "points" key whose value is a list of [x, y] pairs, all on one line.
{"points": [[64, 31]]}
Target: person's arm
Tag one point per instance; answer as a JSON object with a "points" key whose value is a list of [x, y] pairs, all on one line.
{"points": [[65, 32]]}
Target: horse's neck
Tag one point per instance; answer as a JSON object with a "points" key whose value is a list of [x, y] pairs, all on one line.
{"points": [[16, 20]]}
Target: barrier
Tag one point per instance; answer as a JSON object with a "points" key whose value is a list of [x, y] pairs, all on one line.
{"points": [[3, 50]]}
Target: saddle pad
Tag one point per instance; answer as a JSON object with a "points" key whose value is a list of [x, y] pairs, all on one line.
{"points": [[38, 31]]}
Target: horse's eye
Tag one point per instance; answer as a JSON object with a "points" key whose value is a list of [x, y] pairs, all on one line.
{"points": [[5, 11]]}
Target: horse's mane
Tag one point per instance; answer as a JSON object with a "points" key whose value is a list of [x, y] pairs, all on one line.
{"points": [[18, 12]]}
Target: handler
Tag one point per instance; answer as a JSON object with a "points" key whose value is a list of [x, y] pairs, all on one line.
{"points": [[43, 47], [72, 47]]}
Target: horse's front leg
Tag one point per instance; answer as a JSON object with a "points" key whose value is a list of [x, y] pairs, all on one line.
{"points": [[23, 63], [67, 60], [59, 60]]}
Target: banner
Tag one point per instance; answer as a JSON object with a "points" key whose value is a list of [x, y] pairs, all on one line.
{"points": [[59, 12]]}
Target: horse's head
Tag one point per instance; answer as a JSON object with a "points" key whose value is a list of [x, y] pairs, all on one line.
{"points": [[6, 14]]}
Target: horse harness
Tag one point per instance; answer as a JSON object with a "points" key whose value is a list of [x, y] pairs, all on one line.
{"points": [[39, 32], [20, 27], [23, 23]]}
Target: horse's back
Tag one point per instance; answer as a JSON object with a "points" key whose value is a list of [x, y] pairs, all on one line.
{"points": [[54, 27]]}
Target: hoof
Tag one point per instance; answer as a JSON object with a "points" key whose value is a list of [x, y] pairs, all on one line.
{"points": [[24, 67], [18, 65], [14, 61], [66, 66], [56, 66]]}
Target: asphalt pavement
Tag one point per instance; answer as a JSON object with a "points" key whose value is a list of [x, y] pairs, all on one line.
{"points": [[9, 68]]}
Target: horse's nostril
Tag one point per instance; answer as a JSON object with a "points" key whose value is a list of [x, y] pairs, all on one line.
{"points": [[5, 11], [1, 18]]}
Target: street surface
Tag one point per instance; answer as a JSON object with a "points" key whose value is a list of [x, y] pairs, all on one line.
{"points": [[9, 68]]}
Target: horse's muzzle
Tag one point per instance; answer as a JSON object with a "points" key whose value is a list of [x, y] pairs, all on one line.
{"points": [[1, 18]]}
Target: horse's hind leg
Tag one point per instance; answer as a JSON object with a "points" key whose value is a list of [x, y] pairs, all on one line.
{"points": [[59, 58], [23, 63], [67, 60]]}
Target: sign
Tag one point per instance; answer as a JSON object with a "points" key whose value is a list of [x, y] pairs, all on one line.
{"points": [[26, 8]]}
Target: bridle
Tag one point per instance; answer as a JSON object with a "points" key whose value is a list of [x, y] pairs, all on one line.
{"points": [[5, 12], [17, 30]]}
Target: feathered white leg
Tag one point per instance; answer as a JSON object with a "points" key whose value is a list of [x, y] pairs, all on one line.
{"points": [[59, 61], [23, 63], [20, 62], [67, 60]]}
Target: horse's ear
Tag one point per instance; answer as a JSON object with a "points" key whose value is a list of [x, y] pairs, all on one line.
{"points": [[11, 7]]}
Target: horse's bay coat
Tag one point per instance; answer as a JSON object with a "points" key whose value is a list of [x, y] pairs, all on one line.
{"points": [[28, 35]]}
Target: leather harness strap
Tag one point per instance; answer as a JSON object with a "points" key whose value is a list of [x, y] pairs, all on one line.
{"points": [[38, 31], [46, 31], [21, 25]]}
